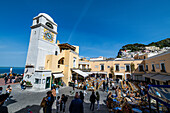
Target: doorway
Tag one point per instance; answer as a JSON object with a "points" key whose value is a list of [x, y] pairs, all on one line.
{"points": [[47, 82]]}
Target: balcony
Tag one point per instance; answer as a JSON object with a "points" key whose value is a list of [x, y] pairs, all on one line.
{"points": [[153, 70], [127, 71], [84, 69], [163, 71], [117, 70], [141, 70]]}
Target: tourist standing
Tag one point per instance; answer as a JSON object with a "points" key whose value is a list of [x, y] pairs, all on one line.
{"points": [[49, 99], [110, 102], [57, 104], [24, 84], [8, 91], [1, 90], [21, 83], [76, 105], [97, 85], [98, 99], [54, 92], [73, 85], [81, 96], [10, 77], [6, 78], [63, 103], [92, 100], [104, 86], [117, 80], [85, 88], [3, 109], [107, 86], [57, 90]]}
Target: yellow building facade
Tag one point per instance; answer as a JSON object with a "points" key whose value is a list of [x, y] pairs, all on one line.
{"points": [[154, 69], [157, 69], [62, 63]]}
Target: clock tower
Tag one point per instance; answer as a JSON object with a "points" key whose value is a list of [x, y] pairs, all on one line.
{"points": [[42, 43]]}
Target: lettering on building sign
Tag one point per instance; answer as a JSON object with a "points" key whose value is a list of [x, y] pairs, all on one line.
{"points": [[122, 67]]}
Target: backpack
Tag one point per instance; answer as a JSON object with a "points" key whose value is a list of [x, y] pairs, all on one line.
{"points": [[43, 102]]}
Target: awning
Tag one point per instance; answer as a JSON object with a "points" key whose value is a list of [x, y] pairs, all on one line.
{"points": [[160, 93], [96, 72], [148, 75], [119, 74], [80, 72], [159, 77], [166, 78], [58, 75], [89, 73]]}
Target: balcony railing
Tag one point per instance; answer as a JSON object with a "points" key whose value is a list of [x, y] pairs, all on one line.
{"points": [[141, 70], [153, 70], [127, 71], [163, 71], [84, 69]]}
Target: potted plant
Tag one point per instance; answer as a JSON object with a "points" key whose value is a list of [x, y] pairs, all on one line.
{"points": [[28, 84]]}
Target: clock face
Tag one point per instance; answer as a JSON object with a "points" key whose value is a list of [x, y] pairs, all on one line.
{"points": [[48, 36]]}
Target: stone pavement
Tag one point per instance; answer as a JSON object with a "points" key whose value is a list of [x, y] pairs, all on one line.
{"points": [[21, 101], [2, 82]]}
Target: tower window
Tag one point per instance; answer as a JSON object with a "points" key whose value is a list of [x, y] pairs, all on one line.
{"points": [[49, 25], [56, 53], [37, 21]]}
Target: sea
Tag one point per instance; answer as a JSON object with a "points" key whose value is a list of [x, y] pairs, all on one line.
{"points": [[17, 70]]}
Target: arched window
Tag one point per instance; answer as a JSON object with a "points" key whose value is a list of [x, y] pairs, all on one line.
{"points": [[56, 53]]}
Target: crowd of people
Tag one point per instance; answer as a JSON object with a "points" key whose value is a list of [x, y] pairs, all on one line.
{"points": [[11, 78], [4, 97], [76, 105], [123, 96]]}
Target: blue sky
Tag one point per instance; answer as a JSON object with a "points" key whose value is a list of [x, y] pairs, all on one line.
{"points": [[99, 27]]}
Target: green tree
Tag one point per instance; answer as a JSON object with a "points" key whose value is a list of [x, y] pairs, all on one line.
{"points": [[132, 66], [112, 72]]}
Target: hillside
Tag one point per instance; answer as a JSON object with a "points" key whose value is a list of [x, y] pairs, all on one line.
{"points": [[141, 47], [161, 44]]}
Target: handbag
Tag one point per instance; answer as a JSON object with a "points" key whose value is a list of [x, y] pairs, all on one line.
{"points": [[43, 102]]}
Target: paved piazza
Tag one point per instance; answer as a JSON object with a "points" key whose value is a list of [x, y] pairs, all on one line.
{"points": [[21, 101]]}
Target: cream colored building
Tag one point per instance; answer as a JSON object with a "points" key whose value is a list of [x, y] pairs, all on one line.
{"points": [[157, 69], [121, 67], [63, 63], [154, 69]]}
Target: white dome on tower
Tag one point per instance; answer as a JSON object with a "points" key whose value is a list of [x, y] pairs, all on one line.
{"points": [[47, 16]]}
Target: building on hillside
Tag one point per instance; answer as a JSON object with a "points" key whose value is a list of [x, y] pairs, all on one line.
{"points": [[152, 48], [143, 56]]}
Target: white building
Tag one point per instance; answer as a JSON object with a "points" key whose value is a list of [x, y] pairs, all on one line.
{"points": [[42, 43], [98, 58]]}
